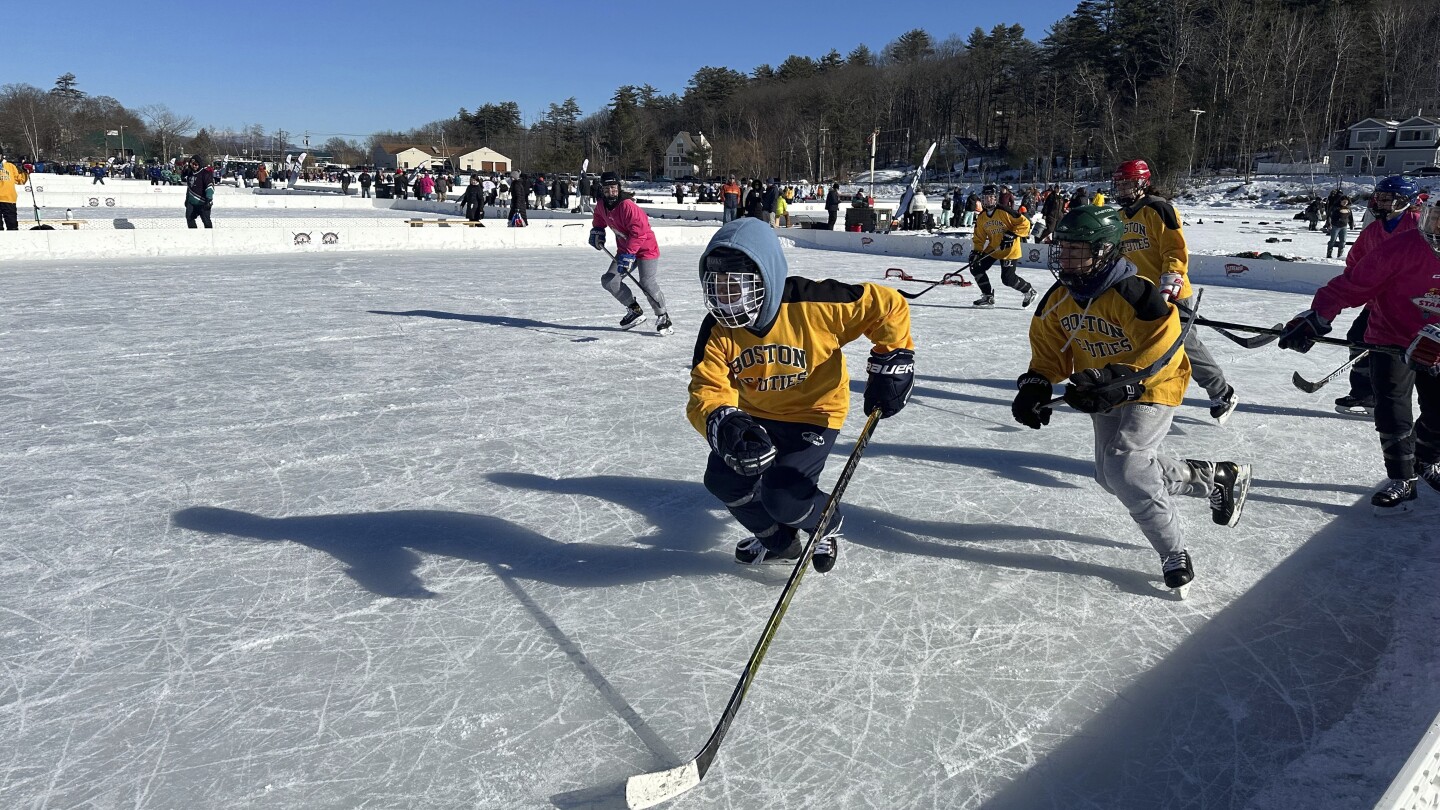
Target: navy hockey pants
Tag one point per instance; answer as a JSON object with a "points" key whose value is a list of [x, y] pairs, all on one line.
{"points": [[786, 494]]}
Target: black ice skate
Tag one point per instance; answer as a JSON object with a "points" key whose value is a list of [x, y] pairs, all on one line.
{"points": [[1178, 571], [1395, 498], [633, 318], [1431, 474], [1029, 296], [1222, 406], [1227, 497], [751, 551], [663, 325], [1351, 405], [986, 300], [827, 548]]}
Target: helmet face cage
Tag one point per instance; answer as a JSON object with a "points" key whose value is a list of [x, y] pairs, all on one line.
{"points": [[733, 287], [1077, 261], [1128, 189], [1388, 203], [1430, 225]]}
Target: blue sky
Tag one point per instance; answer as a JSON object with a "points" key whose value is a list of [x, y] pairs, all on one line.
{"points": [[352, 68]]}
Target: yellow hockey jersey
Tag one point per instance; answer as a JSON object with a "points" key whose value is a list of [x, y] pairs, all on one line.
{"points": [[795, 372], [1131, 323], [991, 228], [1154, 242], [10, 177]]}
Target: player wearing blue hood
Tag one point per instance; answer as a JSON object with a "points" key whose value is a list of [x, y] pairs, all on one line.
{"points": [[769, 389]]}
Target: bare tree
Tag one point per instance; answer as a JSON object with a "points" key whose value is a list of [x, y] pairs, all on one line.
{"points": [[168, 126]]}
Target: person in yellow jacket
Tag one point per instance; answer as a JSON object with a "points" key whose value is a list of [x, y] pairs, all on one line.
{"points": [[1097, 326], [1155, 244], [769, 390], [998, 229], [11, 176]]}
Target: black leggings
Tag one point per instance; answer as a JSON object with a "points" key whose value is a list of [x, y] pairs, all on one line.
{"points": [[1360, 385], [1404, 440], [1008, 276]]}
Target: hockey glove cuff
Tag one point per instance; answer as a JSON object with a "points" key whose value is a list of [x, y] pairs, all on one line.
{"points": [[1170, 285], [892, 377], [739, 441], [1424, 352], [597, 238], [1096, 390], [1030, 408], [1301, 331]]}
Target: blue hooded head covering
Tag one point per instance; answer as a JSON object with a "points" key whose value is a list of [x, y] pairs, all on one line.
{"points": [[757, 240]]}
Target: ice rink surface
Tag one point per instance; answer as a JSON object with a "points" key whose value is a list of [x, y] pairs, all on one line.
{"points": [[426, 530]]}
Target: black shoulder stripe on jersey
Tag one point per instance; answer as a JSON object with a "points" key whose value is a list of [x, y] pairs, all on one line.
{"points": [[706, 327], [1044, 304], [1139, 293], [1167, 213], [826, 291]]}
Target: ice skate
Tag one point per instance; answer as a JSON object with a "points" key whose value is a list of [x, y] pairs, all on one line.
{"points": [[1431, 474], [633, 318], [827, 548], [663, 326], [1227, 497], [1178, 571], [1351, 405], [986, 300], [752, 551], [1029, 297], [1395, 498], [1222, 406]]}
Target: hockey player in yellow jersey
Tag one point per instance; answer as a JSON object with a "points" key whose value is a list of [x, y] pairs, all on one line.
{"points": [[998, 230], [769, 389], [1097, 326], [1155, 244]]}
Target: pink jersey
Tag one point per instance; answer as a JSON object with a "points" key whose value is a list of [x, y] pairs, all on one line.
{"points": [[1399, 279], [1373, 234], [631, 226]]}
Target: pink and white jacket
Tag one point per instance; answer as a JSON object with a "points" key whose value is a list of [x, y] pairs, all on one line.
{"points": [[1399, 279], [631, 226], [1373, 234]]}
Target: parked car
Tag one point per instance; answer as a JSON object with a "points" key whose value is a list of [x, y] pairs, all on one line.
{"points": [[1425, 171]]}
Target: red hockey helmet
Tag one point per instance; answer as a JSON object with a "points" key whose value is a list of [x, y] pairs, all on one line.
{"points": [[1131, 180]]}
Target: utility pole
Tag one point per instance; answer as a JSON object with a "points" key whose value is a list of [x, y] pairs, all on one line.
{"points": [[1194, 131], [874, 138]]}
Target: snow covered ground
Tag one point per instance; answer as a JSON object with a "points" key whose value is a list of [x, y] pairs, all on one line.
{"points": [[386, 530]]}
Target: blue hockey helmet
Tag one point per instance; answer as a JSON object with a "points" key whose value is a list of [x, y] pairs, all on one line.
{"points": [[1393, 195]]}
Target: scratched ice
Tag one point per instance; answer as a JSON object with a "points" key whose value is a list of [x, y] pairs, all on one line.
{"points": [[425, 530]]}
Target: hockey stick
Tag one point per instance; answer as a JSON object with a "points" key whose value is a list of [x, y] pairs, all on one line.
{"points": [[1154, 368], [943, 280], [1272, 333], [955, 278], [39, 226], [650, 789], [1311, 387]]}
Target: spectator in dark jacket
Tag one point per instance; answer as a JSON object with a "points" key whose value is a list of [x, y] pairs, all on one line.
{"points": [[1338, 221], [755, 201], [832, 205], [772, 193], [473, 200], [365, 181], [199, 192], [1054, 211], [400, 184]]}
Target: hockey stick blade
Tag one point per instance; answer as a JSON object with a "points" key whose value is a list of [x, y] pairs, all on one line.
{"points": [[1311, 387], [1305, 385], [650, 789]]}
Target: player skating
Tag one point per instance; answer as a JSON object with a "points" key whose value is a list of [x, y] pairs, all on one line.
{"points": [[1399, 282], [997, 231], [1155, 244], [635, 249], [1096, 326], [769, 388]]}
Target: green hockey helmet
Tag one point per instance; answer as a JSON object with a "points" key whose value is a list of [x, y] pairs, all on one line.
{"points": [[1086, 244]]}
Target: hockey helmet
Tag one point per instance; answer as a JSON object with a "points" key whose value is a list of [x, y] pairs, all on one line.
{"points": [[1086, 246], [989, 196], [1393, 195], [1131, 180]]}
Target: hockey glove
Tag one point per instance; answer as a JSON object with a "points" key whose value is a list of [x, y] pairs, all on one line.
{"points": [[1030, 408], [973, 257], [1424, 352], [1007, 241], [597, 238], [624, 263], [1095, 390], [892, 376], [739, 441], [1170, 285], [1301, 331]]}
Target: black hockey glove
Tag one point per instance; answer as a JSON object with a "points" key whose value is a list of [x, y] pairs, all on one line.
{"points": [[597, 238], [973, 257], [1094, 390], [1301, 331], [739, 441], [1006, 241], [892, 376], [1029, 408]]}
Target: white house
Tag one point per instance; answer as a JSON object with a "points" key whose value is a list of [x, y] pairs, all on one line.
{"points": [[483, 159], [1379, 146], [401, 156], [680, 155]]}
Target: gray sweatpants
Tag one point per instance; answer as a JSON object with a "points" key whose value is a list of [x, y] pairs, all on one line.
{"points": [[1130, 466], [645, 276], [1203, 369]]}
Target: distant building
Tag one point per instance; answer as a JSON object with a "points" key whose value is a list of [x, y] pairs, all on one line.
{"points": [[481, 159], [401, 156], [1378, 146], [681, 154]]}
